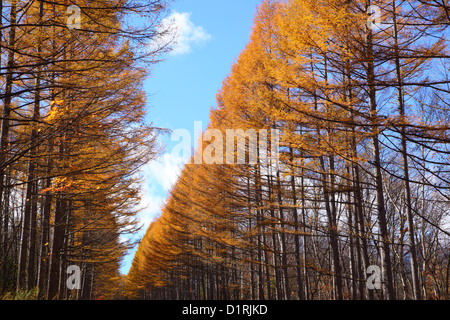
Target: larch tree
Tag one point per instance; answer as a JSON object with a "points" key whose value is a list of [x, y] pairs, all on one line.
{"points": [[73, 138]]}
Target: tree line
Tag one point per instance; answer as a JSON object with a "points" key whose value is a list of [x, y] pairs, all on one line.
{"points": [[73, 138], [359, 92]]}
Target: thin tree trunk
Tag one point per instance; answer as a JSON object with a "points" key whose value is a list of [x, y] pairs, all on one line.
{"points": [[385, 242], [410, 220], [6, 113], [57, 250], [284, 261], [274, 246], [353, 265], [45, 239], [2, 212], [296, 229], [259, 222], [32, 272]]}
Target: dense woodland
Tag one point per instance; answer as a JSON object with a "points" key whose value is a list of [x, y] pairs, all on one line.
{"points": [[360, 96], [73, 138], [358, 90]]}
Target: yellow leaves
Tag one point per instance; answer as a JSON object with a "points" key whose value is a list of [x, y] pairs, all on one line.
{"points": [[59, 184], [57, 111], [53, 114], [57, 102]]}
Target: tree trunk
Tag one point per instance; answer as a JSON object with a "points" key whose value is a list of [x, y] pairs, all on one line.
{"points": [[284, 260], [6, 113], [385, 242], [296, 229], [401, 104]]}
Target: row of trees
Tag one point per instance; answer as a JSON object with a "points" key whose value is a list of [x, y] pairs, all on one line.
{"points": [[73, 136], [361, 104]]}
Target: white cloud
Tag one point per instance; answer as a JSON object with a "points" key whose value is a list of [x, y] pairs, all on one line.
{"points": [[158, 177], [181, 33]]}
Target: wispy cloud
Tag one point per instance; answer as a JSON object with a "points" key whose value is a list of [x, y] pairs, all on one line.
{"points": [[158, 177], [182, 34]]}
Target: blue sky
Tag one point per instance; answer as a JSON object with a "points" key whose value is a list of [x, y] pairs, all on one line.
{"points": [[182, 89]]}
